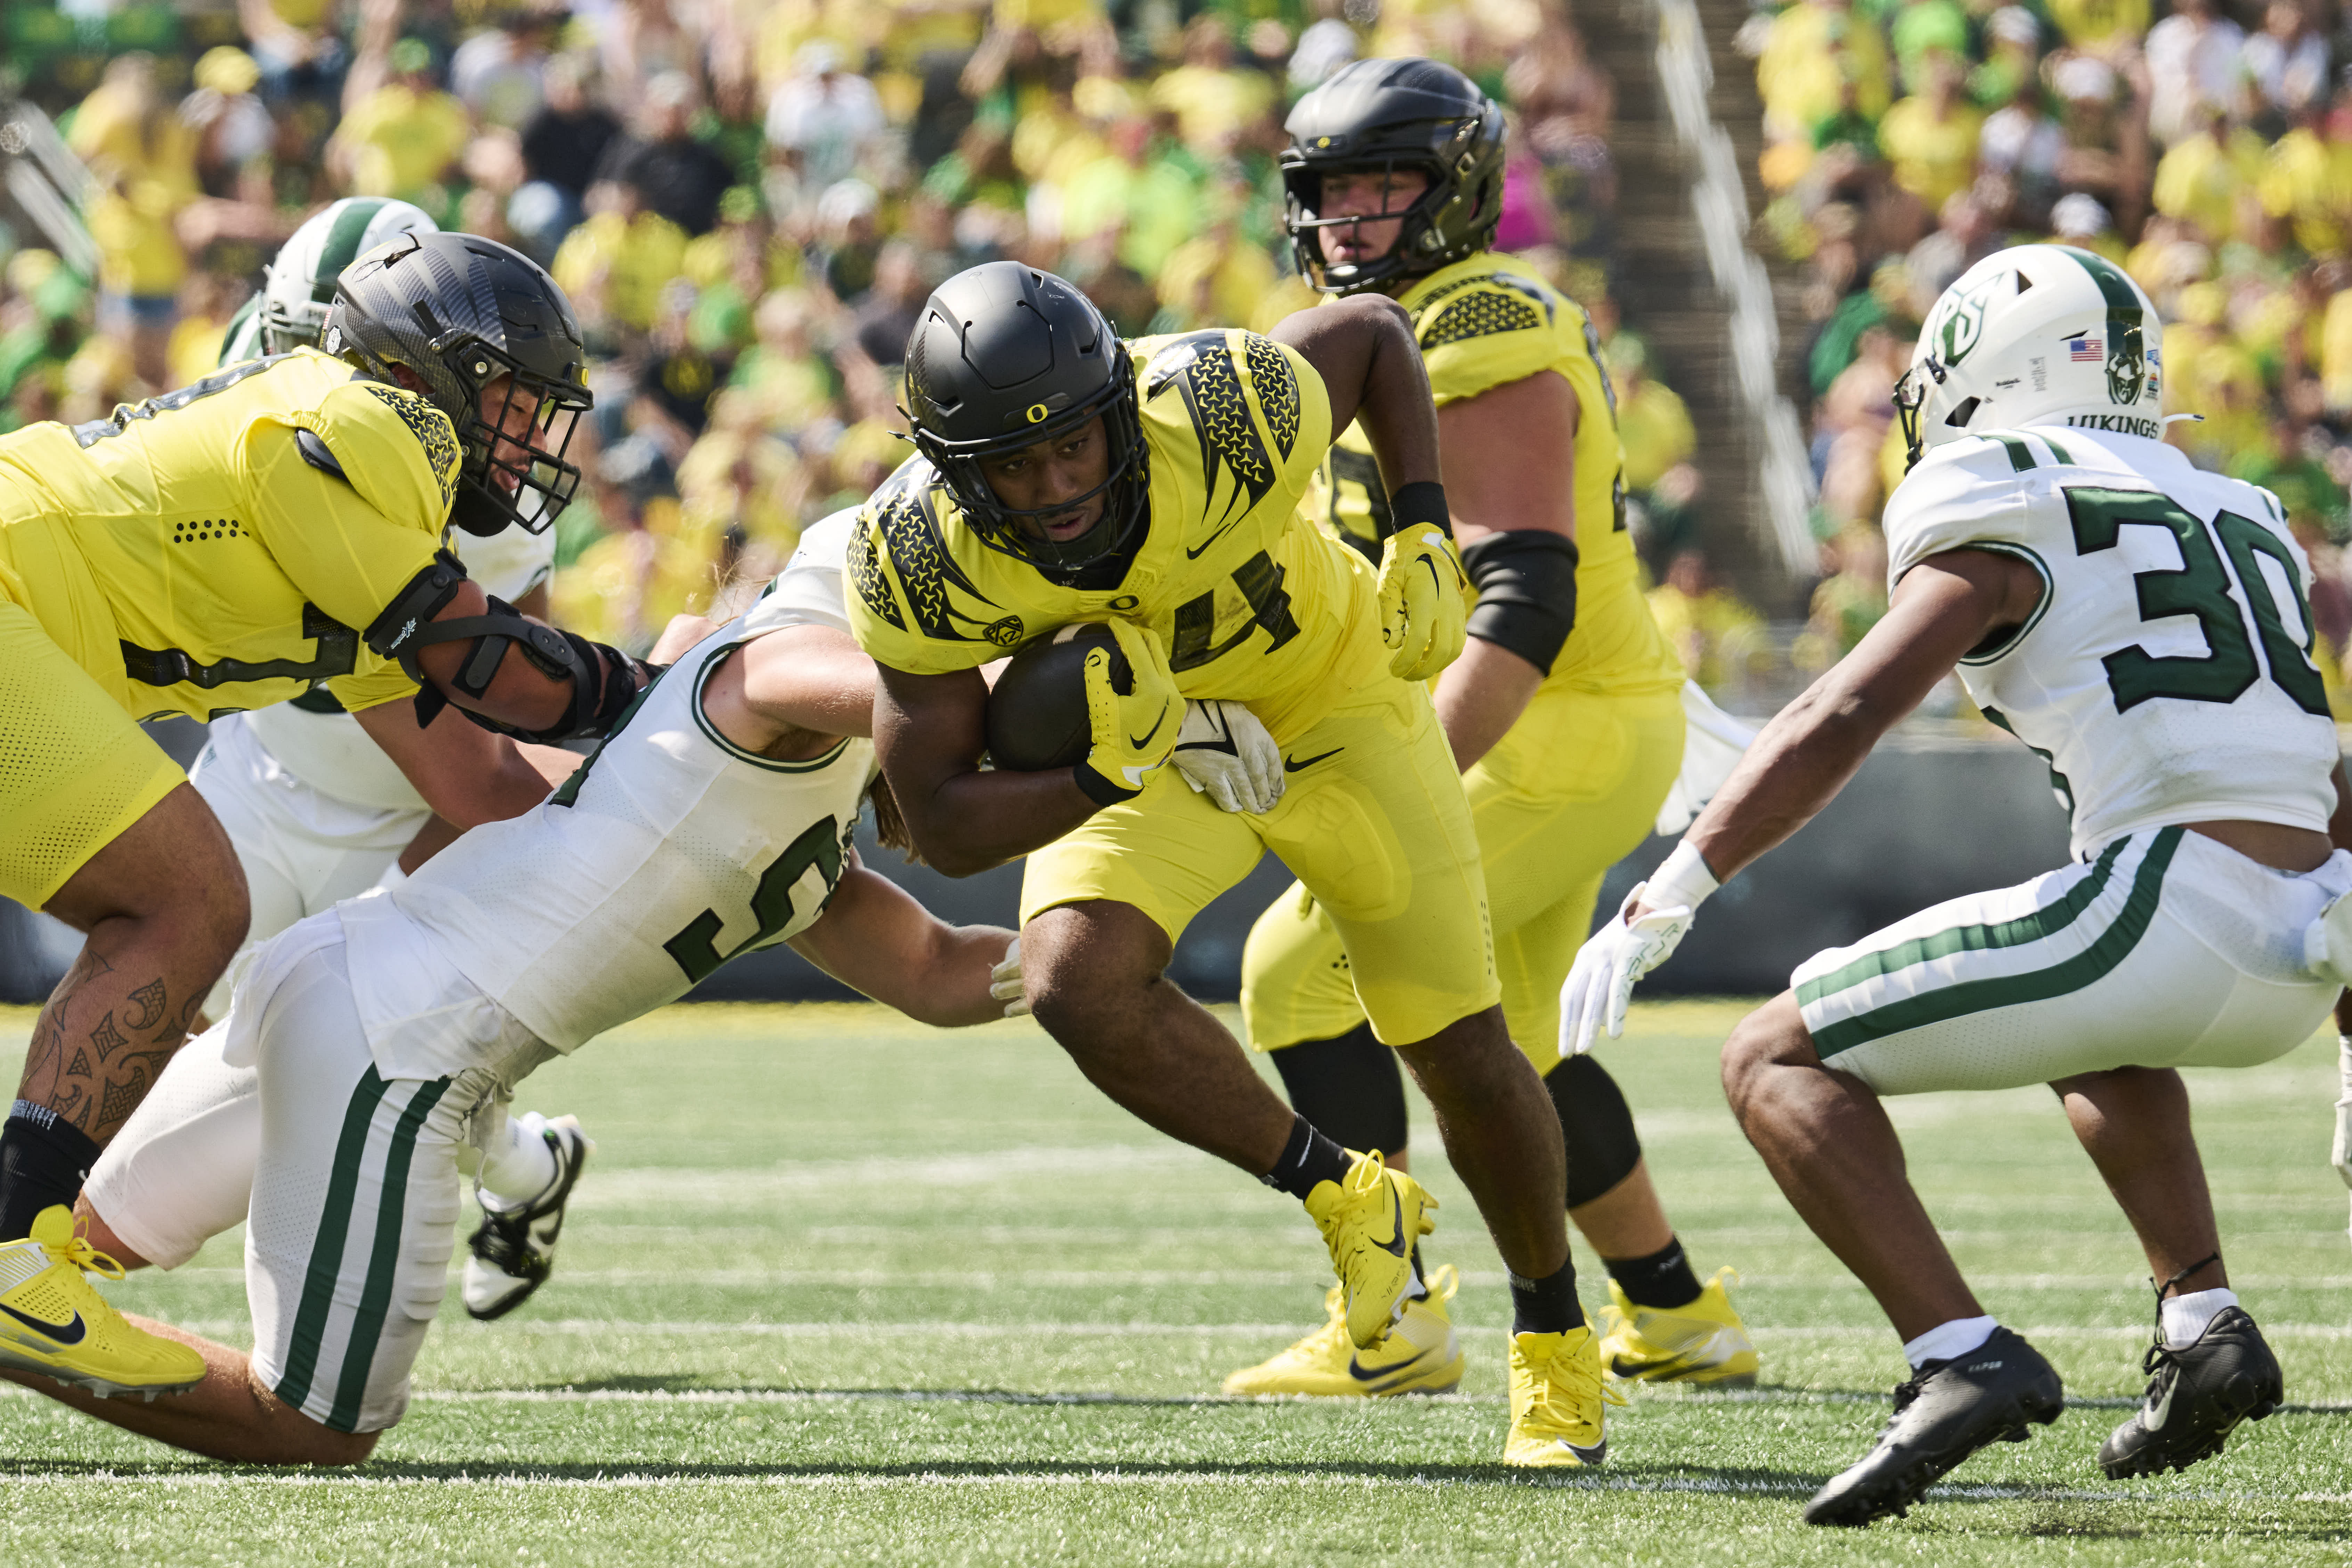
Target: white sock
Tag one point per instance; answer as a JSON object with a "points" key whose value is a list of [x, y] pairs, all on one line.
{"points": [[2185, 1317], [1946, 1340], [518, 1165]]}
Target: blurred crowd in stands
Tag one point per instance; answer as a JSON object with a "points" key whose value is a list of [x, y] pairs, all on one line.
{"points": [[2208, 150], [747, 201]]}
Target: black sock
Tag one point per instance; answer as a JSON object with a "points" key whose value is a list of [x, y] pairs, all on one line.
{"points": [[1662, 1279], [1306, 1159], [1546, 1306], [44, 1160]]}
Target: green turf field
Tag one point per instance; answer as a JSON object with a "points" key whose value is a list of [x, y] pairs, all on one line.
{"points": [[841, 1287]]}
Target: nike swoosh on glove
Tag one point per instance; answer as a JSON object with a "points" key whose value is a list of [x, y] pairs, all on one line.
{"points": [[1423, 615], [1004, 982], [1134, 731], [1601, 985], [1223, 750]]}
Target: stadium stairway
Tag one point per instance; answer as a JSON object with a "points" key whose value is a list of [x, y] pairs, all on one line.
{"points": [[1669, 290]]}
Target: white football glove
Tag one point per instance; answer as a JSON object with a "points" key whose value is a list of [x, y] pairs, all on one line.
{"points": [[2340, 1155], [1004, 982], [1601, 985], [1224, 752]]}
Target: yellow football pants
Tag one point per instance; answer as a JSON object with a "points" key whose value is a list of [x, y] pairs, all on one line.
{"points": [[1566, 794], [75, 771], [1373, 819]]}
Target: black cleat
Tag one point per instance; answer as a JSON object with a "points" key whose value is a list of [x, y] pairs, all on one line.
{"points": [[2195, 1397], [1946, 1412]]}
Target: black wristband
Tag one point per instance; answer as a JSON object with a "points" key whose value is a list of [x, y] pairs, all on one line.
{"points": [[1424, 500], [1099, 787]]}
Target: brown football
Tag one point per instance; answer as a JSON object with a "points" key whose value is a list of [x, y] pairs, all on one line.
{"points": [[1038, 710]]}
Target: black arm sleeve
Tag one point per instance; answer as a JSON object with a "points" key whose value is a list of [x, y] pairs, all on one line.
{"points": [[1527, 593]]}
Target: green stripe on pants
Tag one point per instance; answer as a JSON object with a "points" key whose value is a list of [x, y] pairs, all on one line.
{"points": [[2043, 923], [2114, 945], [384, 1261], [327, 1251]]}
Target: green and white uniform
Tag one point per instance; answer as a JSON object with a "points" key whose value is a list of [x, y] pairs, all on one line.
{"points": [[2166, 677], [367, 1045]]}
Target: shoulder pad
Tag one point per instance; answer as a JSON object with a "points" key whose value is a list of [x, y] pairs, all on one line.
{"points": [[1963, 492], [315, 453], [396, 449], [1483, 307]]}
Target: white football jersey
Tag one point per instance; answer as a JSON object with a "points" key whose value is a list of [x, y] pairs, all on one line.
{"points": [[329, 751], [2167, 676], [670, 851]]}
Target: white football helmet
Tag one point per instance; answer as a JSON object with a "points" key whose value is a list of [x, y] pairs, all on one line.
{"points": [[2036, 335], [298, 284]]}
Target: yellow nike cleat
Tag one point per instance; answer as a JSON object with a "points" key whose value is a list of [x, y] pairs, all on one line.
{"points": [[1418, 1355], [1371, 1221], [53, 1321], [1558, 1399], [1704, 1342]]}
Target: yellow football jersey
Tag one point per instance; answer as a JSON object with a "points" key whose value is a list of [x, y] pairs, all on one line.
{"points": [[1485, 323], [1252, 602], [199, 553]]}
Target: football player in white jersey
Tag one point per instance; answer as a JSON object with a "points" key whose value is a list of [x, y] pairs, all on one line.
{"points": [[2143, 628], [387, 1035], [316, 812]]}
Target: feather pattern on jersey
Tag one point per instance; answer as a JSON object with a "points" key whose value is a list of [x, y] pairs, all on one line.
{"points": [[1278, 390], [927, 573], [864, 559], [1480, 315], [1219, 406]]}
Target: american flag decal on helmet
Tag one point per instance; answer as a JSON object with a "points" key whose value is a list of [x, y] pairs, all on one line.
{"points": [[2085, 350]]}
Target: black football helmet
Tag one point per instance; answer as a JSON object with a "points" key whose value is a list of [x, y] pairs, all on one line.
{"points": [[1006, 356], [1375, 116], [460, 311]]}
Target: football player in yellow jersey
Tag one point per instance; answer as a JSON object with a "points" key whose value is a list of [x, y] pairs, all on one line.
{"points": [[1065, 477], [1564, 710], [271, 528]]}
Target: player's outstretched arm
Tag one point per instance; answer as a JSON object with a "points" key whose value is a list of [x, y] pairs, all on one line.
{"points": [[805, 677], [466, 773], [929, 731], [1364, 351], [875, 937], [1511, 484], [1944, 606]]}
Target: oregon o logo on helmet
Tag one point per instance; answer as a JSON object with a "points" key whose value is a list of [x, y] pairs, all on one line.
{"points": [[1037, 414]]}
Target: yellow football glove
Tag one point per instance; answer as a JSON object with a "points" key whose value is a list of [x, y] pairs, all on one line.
{"points": [[1134, 731], [1422, 609]]}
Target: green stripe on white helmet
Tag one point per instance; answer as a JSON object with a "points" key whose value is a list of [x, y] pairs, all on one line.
{"points": [[298, 284], [2036, 335]]}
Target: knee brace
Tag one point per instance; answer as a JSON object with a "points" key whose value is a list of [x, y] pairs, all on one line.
{"points": [[1350, 1089], [1595, 1124]]}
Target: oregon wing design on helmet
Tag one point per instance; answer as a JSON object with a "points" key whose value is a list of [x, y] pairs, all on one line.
{"points": [[2036, 335], [298, 284], [460, 311], [1005, 357], [1409, 114]]}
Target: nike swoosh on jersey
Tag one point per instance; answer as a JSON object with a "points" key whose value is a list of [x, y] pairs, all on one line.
{"points": [[1140, 741], [1193, 554], [1289, 766], [66, 1334]]}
